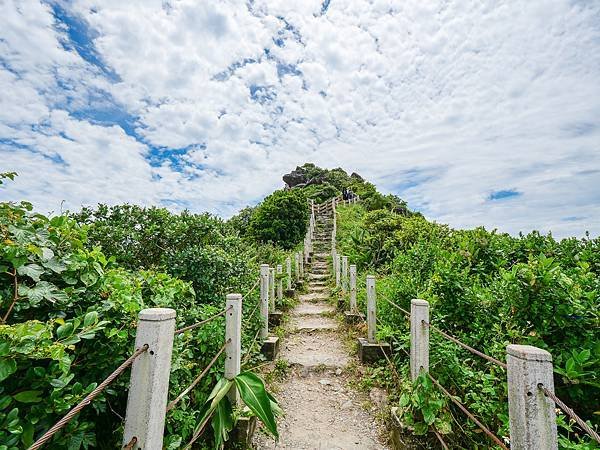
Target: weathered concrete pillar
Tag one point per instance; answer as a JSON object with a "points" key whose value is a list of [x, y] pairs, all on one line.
{"points": [[264, 300], [419, 337], [149, 385], [338, 270], [352, 288], [344, 274], [279, 283], [371, 309], [271, 289], [297, 266], [301, 266], [288, 269], [233, 338], [531, 414]]}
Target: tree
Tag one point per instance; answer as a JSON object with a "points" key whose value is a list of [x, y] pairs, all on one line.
{"points": [[282, 218]]}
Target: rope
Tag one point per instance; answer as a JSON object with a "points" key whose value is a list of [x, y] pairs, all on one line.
{"points": [[131, 443], [198, 433], [88, 399], [397, 306], [439, 436], [198, 378], [247, 357], [252, 288], [465, 346], [570, 413], [482, 427], [196, 325]]}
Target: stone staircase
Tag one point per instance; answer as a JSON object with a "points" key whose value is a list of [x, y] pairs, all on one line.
{"points": [[321, 411]]}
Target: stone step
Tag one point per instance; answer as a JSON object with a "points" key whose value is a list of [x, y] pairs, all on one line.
{"points": [[307, 350], [311, 323], [313, 297], [313, 309], [317, 276]]}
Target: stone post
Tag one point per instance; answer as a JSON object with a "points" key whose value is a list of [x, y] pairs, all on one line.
{"points": [[532, 415], [288, 269], [371, 309], [271, 289], [352, 288], [338, 270], [264, 299], [419, 337], [233, 337], [344, 274], [149, 385], [297, 266], [279, 283]]}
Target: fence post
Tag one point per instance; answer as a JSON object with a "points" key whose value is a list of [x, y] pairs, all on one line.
{"points": [[371, 309], [301, 256], [353, 288], [233, 337], [149, 385], [337, 270], [531, 414], [344, 274], [264, 299], [288, 269], [297, 266], [271, 289], [279, 283], [419, 337]]}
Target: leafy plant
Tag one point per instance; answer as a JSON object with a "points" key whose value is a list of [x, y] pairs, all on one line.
{"points": [[252, 392]]}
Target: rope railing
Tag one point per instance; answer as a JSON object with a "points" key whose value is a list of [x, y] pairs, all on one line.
{"points": [[198, 433], [193, 384], [404, 311], [468, 413], [570, 413], [198, 324], [249, 352], [465, 346], [251, 289], [88, 399]]}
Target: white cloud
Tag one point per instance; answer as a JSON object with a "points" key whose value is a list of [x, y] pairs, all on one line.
{"points": [[444, 103]]}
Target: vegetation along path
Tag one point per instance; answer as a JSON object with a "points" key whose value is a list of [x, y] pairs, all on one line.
{"points": [[321, 411]]}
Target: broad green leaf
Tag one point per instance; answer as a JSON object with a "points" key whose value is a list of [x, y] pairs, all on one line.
{"points": [[7, 368], [253, 393], [33, 271], [28, 396], [222, 422], [90, 318], [64, 330]]}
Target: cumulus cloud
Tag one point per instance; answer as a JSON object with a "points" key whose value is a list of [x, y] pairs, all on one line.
{"points": [[203, 105]]}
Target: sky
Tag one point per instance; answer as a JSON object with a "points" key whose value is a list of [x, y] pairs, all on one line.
{"points": [[474, 112]]}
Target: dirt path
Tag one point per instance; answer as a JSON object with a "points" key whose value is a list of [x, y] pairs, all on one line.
{"points": [[321, 411]]}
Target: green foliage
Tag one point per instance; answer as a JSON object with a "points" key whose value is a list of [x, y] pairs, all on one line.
{"points": [[68, 316], [252, 392], [281, 219], [489, 289]]}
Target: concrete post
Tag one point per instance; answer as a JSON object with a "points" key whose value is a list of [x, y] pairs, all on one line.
{"points": [[344, 274], [338, 270], [279, 283], [301, 259], [288, 269], [233, 337], [353, 288], [297, 265], [531, 414], [419, 337], [149, 385], [371, 309], [264, 299], [271, 289]]}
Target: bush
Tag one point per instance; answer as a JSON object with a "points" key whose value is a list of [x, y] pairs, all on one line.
{"points": [[281, 219]]}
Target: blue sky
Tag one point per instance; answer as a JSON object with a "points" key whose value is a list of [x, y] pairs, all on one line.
{"points": [[477, 113]]}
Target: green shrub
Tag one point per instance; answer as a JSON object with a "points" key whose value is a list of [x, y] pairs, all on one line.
{"points": [[281, 219]]}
